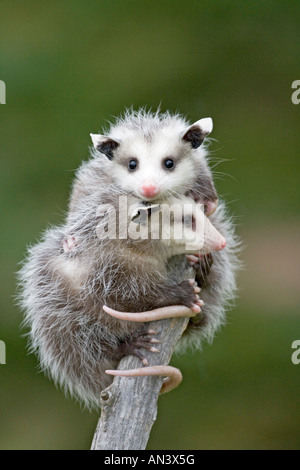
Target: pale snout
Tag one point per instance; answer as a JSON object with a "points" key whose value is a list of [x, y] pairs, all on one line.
{"points": [[219, 244], [213, 240]]}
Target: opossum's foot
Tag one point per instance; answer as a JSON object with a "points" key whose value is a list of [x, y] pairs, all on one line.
{"points": [[200, 262], [194, 260], [143, 340], [189, 295], [202, 265], [69, 244]]}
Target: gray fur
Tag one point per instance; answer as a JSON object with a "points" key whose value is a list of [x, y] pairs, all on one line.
{"points": [[63, 293]]}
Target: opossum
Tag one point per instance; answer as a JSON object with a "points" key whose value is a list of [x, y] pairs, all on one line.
{"points": [[72, 273], [156, 156], [152, 156]]}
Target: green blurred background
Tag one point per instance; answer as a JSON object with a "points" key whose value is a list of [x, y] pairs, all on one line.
{"points": [[71, 65]]}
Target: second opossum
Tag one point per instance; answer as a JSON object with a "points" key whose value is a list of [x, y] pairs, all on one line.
{"points": [[72, 273]]}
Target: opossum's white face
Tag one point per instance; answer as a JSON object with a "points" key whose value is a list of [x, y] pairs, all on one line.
{"points": [[153, 169], [155, 166]]}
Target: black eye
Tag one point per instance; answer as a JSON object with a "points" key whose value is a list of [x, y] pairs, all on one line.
{"points": [[132, 165], [169, 163]]}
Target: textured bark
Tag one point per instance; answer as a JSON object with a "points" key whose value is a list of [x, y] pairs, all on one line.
{"points": [[129, 404]]}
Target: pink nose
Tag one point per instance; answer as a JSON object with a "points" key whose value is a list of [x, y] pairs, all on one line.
{"points": [[149, 190], [221, 244]]}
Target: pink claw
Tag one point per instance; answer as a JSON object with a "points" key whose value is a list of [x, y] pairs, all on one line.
{"points": [[196, 308], [192, 259]]}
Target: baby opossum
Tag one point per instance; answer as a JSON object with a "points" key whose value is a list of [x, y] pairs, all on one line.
{"points": [[155, 156], [64, 293], [152, 156], [145, 157]]}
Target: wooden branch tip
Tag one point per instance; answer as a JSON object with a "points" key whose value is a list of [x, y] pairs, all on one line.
{"points": [[129, 407]]}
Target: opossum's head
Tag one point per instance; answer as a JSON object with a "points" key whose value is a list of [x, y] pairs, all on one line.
{"points": [[154, 156], [181, 226]]}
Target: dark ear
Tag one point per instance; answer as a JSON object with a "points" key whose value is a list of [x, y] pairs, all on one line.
{"points": [[196, 133], [104, 144]]}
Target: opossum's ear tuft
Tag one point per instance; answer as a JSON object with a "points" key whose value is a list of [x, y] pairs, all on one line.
{"points": [[105, 144], [197, 132]]}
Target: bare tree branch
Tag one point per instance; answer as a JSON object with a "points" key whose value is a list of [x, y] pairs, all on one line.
{"points": [[129, 404]]}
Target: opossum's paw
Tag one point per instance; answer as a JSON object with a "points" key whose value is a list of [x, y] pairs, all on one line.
{"points": [[189, 295], [202, 268], [142, 340], [69, 244], [201, 263], [194, 260]]}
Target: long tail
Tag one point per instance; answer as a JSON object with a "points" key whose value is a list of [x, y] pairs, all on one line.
{"points": [[152, 315], [173, 375]]}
